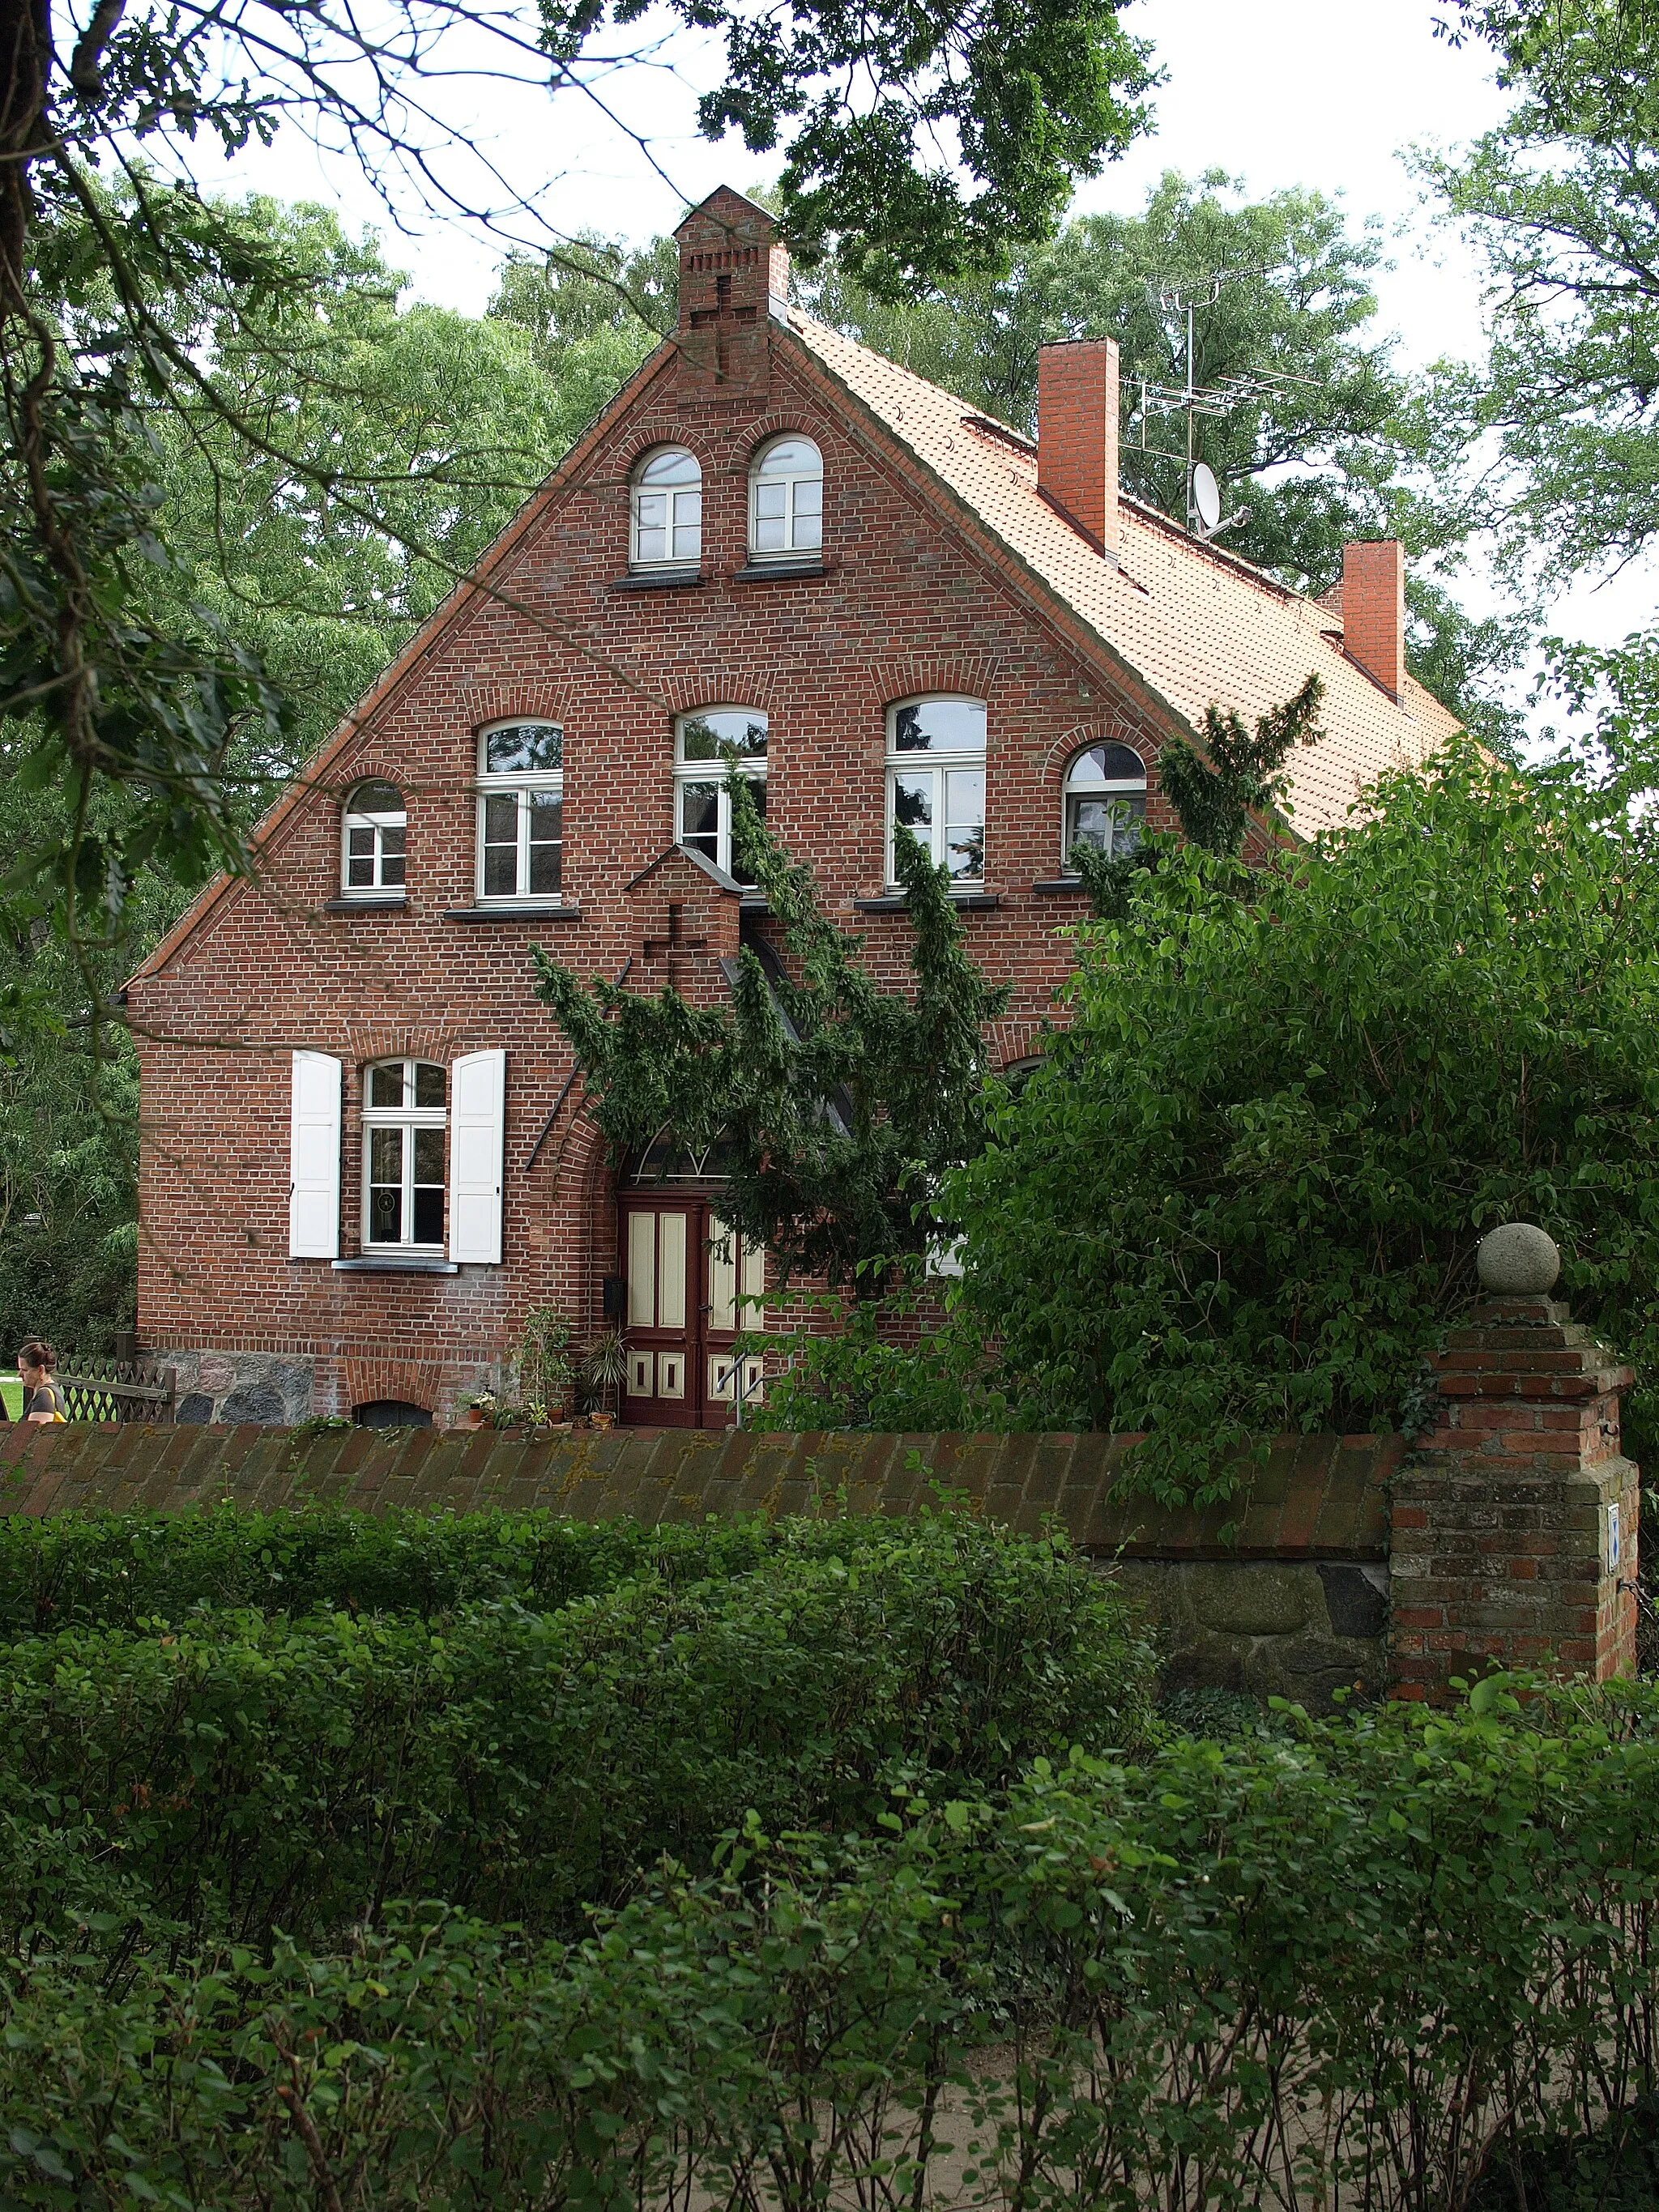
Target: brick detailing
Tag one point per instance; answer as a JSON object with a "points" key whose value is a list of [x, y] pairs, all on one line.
{"points": [[1318, 1497], [732, 267], [1077, 433], [1374, 611], [1501, 1523]]}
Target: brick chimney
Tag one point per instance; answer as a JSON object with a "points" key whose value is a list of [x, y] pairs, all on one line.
{"points": [[734, 282], [1077, 433], [1374, 609]]}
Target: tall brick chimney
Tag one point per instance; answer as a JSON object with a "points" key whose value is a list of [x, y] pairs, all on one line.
{"points": [[1077, 433], [1374, 609], [734, 281]]}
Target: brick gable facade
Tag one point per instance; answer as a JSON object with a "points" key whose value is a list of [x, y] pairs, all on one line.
{"points": [[913, 594]]}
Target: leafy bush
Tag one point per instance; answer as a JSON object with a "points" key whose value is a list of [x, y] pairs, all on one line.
{"points": [[1355, 1963], [1243, 1193], [252, 1771]]}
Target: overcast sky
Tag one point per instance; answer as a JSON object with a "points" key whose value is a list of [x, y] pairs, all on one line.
{"points": [[1326, 92]]}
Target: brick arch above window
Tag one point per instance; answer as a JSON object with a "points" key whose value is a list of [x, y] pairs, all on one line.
{"points": [[509, 700], [919, 676], [1077, 737], [755, 686], [370, 767], [369, 1041], [642, 438]]}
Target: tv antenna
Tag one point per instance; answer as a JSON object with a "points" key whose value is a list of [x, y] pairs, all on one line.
{"points": [[1203, 516]]}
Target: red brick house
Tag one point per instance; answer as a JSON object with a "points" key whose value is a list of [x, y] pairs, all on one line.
{"points": [[364, 1153]]}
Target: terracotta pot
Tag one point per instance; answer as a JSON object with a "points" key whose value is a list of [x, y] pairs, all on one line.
{"points": [[603, 1420], [472, 1416]]}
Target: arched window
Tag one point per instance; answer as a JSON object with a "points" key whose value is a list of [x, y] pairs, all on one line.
{"points": [[372, 840], [936, 784], [786, 500], [667, 504], [521, 811], [405, 1112], [1105, 800], [704, 744]]}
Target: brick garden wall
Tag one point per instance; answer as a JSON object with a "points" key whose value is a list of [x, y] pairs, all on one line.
{"points": [[1285, 1591]]}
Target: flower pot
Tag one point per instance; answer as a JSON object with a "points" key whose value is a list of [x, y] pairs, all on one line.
{"points": [[603, 1420], [473, 1417]]}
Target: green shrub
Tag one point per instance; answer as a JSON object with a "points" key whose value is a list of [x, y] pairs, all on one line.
{"points": [[253, 1770], [1351, 1965], [1243, 1193]]}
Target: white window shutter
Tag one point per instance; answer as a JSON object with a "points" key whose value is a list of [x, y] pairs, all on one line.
{"points": [[313, 1197], [477, 1100]]}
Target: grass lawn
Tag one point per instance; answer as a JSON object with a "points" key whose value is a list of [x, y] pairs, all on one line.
{"points": [[12, 1390]]}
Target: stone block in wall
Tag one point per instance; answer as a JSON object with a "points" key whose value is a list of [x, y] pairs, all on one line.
{"points": [[261, 1388], [1286, 1628]]}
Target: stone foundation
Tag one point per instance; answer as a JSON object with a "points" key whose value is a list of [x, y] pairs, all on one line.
{"points": [[242, 1388], [1301, 1630]]}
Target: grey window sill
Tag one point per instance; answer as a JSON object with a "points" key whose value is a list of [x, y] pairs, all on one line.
{"points": [[1060, 886], [375, 1264], [370, 902], [893, 902], [505, 913], [666, 579], [769, 572]]}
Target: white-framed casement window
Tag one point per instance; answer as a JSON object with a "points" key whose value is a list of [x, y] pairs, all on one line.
{"points": [[372, 841], [666, 504], [405, 1118], [704, 744], [521, 811], [936, 784], [1105, 801], [786, 501]]}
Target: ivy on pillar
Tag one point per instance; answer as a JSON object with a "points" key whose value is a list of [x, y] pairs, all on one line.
{"points": [[1514, 1524]]}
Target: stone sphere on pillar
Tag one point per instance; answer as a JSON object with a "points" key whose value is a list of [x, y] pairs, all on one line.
{"points": [[1518, 1260]]}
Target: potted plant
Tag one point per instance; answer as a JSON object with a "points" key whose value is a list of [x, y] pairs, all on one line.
{"points": [[547, 1366], [478, 1412], [604, 1371]]}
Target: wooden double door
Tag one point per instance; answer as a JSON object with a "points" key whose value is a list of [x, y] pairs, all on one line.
{"points": [[688, 1278]]}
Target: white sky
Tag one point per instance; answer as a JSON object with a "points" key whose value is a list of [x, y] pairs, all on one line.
{"points": [[1324, 92]]}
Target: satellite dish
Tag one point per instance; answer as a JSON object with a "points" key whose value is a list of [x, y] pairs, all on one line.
{"points": [[1206, 496]]}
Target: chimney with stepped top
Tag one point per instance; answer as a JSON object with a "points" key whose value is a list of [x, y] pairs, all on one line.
{"points": [[734, 283], [1077, 433]]}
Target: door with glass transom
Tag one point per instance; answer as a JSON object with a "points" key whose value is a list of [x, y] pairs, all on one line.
{"points": [[689, 1283]]}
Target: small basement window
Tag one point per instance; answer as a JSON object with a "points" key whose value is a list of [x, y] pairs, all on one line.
{"points": [[373, 835], [390, 1413]]}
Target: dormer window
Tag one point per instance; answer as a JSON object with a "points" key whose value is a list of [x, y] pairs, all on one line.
{"points": [[1105, 801], [704, 744], [521, 811], [667, 511], [786, 501], [936, 785], [372, 840]]}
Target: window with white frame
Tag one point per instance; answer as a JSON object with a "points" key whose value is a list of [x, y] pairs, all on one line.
{"points": [[704, 745], [667, 511], [786, 500], [521, 811], [405, 1115], [1105, 801], [936, 785], [372, 840]]}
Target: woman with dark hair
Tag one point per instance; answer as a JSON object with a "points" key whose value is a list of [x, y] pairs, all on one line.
{"points": [[42, 1399]]}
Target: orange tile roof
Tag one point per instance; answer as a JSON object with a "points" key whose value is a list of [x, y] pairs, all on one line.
{"points": [[1201, 627]]}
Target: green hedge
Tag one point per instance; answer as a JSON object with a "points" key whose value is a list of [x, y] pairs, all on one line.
{"points": [[1356, 1965], [120, 1569], [246, 1771]]}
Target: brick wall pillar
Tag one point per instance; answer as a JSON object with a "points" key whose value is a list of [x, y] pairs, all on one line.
{"points": [[1514, 1525]]}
